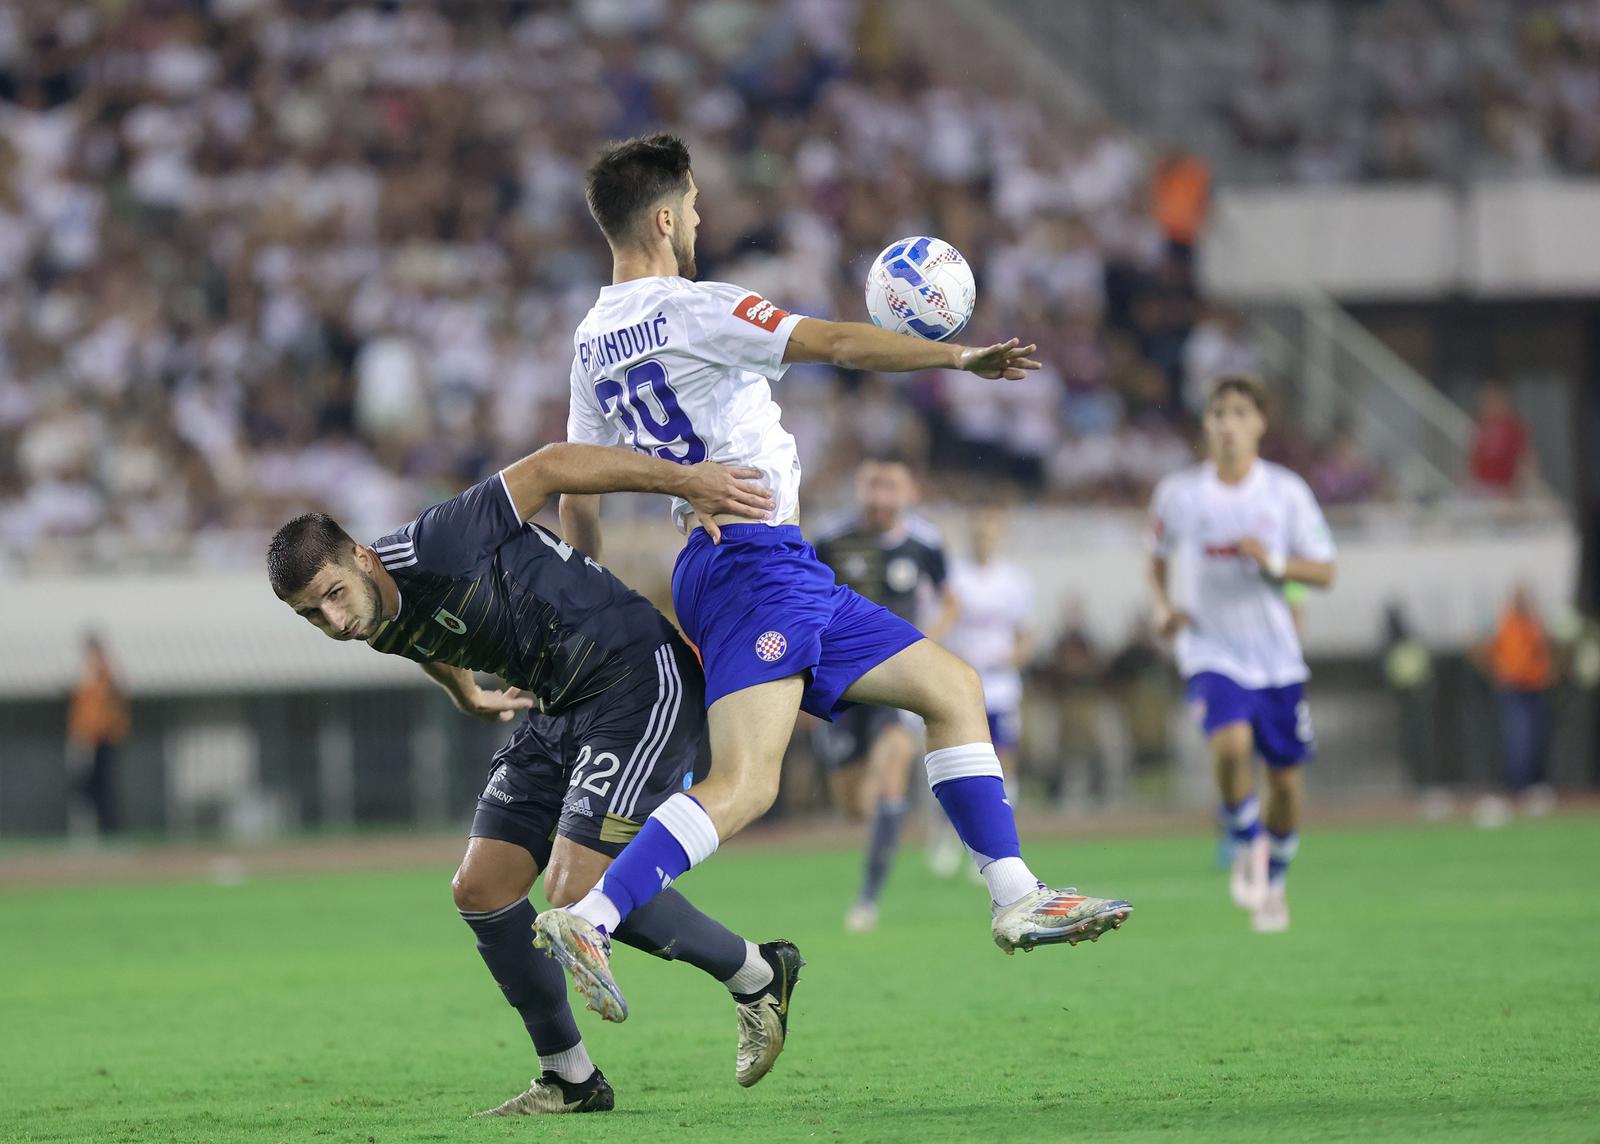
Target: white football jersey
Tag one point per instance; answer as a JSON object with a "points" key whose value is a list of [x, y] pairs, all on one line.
{"points": [[994, 601], [681, 370], [1242, 626]]}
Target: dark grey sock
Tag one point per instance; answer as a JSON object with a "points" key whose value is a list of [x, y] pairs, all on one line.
{"points": [[885, 840], [669, 927], [532, 982]]}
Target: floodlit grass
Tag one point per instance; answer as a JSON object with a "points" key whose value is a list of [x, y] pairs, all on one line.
{"points": [[1438, 982]]}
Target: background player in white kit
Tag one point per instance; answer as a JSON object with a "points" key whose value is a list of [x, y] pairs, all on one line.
{"points": [[682, 369], [1242, 527], [993, 602]]}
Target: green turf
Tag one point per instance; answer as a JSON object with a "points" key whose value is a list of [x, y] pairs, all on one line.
{"points": [[1437, 983]]}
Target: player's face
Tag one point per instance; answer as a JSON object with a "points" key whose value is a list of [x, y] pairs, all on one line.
{"points": [[885, 491], [342, 601], [988, 530], [1233, 427], [686, 224]]}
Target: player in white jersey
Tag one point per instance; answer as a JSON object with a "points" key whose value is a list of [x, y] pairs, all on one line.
{"points": [[1240, 528], [683, 370], [991, 600], [993, 604]]}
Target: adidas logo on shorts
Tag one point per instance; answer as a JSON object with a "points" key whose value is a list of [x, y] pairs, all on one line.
{"points": [[579, 806]]}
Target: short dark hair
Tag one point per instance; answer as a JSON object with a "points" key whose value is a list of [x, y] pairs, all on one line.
{"points": [[890, 457], [301, 548], [631, 176], [1245, 386]]}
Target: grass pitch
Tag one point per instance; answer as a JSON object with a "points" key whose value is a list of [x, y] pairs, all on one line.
{"points": [[1438, 983]]}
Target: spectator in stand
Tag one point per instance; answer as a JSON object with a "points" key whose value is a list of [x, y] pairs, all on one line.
{"points": [[1501, 460], [1341, 473], [1408, 670], [1142, 683], [263, 256], [1219, 346], [97, 726], [1181, 191], [1520, 663], [1070, 681]]}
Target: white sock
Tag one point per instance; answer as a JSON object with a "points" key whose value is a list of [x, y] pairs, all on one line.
{"points": [[754, 975], [1009, 880], [571, 1066], [598, 910]]}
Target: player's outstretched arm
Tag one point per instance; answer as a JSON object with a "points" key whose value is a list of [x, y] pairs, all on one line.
{"points": [[711, 489], [462, 686], [857, 345]]}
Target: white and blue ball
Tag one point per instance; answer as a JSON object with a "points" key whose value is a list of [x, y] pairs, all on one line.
{"points": [[921, 286]]}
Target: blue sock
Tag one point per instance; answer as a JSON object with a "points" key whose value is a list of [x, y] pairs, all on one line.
{"points": [[1243, 820], [678, 836], [977, 808], [1281, 850], [968, 783]]}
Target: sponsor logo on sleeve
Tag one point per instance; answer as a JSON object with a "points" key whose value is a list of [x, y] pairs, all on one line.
{"points": [[756, 310]]}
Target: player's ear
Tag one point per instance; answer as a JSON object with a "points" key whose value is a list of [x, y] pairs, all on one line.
{"points": [[363, 558]]}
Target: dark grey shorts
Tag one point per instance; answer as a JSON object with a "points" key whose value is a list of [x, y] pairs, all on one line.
{"points": [[595, 772]]}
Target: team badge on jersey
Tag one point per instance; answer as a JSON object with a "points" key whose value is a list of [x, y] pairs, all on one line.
{"points": [[771, 646], [756, 310]]}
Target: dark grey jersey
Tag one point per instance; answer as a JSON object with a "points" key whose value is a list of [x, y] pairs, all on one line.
{"points": [[886, 570], [482, 590]]}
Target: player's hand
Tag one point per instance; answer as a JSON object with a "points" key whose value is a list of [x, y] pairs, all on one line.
{"points": [[1008, 360], [496, 706], [1171, 621], [712, 490], [1252, 548]]}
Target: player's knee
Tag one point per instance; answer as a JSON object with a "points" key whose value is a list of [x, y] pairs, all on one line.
{"points": [[564, 887], [756, 796], [476, 894], [949, 691]]}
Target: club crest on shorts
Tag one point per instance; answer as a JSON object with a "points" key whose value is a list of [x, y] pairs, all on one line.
{"points": [[770, 647]]}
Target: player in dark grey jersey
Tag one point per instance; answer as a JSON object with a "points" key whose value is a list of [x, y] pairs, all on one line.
{"points": [[614, 723], [893, 558]]}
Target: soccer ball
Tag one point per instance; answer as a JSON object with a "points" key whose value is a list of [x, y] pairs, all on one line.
{"points": [[921, 286]]}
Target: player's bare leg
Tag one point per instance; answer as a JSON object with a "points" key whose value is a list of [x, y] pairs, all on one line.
{"points": [[750, 731], [888, 773], [965, 774], [1233, 760], [1285, 798]]}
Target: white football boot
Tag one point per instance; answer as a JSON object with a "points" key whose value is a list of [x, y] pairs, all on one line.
{"points": [[1248, 880], [1051, 917], [1272, 916]]}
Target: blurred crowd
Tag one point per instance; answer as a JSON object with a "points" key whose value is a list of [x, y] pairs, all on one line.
{"points": [[257, 255], [1407, 89]]}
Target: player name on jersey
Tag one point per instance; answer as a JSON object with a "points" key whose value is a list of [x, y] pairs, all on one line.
{"points": [[613, 346]]}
